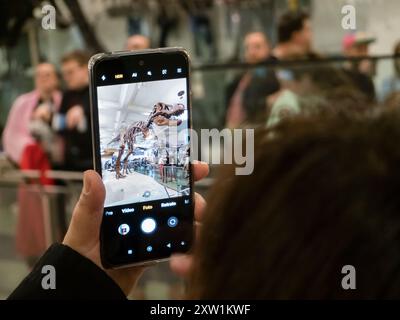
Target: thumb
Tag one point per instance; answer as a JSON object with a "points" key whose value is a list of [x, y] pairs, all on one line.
{"points": [[83, 232]]}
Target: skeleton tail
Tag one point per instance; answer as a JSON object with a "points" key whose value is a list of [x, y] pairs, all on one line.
{"points": [[116, 139]]}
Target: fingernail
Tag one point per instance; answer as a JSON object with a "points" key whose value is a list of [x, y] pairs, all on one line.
{"points": [[86, 184]]}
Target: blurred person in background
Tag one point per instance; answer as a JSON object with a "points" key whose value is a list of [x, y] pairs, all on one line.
{"points": [[317, 89], [247, 93], [392, 84], [137, 42], [30, 142], [294, 36], [356, 45], [37, 105], [73, 120]]}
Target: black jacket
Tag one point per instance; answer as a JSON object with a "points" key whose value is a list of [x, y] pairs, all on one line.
{"points": [[76, 278], [78, 145], [262, 84]]}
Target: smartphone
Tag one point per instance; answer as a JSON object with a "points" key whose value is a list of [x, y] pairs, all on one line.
{"points": [[141, 121]]}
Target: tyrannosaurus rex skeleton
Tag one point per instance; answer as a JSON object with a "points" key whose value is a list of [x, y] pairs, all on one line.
{"points": [[162, 115]]}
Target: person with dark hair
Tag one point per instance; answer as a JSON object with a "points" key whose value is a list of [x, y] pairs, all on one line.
{"points": [[323, 195], [73, 120], [315, 90], [294, 43], [294, 36]]}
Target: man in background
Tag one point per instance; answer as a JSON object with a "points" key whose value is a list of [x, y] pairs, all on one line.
{"points": [[73, 121], [246, 94], [294, 43], [294, 36]]}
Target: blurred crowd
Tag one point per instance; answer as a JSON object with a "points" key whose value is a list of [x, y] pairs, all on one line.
{"points": [[53, 123], [270, 91]]}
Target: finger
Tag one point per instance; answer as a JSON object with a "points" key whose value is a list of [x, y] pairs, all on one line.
{"points": [[88, 212], [92, 196], [181, 264], [199, 207], [200, 170]]}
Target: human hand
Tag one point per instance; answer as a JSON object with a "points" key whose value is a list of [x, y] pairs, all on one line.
{"points": [[84, 230], [181, 264], [74, 117], [42, 112]]}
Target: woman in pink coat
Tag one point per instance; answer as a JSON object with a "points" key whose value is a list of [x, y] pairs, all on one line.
{"points": [[33, 110], [38, 104]]}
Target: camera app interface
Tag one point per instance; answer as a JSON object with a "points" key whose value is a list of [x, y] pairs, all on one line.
{"points": [[143, 156], [144, 149]]}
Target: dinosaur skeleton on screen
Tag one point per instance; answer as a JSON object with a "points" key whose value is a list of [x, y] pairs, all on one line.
{"points": [[162, 115]]}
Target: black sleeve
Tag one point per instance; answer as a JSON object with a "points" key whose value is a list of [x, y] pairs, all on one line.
{"points": [[256, 93], [76, 278], [64, 103]]}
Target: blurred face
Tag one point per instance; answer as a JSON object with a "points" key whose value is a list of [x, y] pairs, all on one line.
{"points": [[137, 42], [256, 47], [46, 79], [303, 37], [75, 75]]}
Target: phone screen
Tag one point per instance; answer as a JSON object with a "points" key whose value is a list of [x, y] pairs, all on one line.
{"points": [[141, 123]]}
